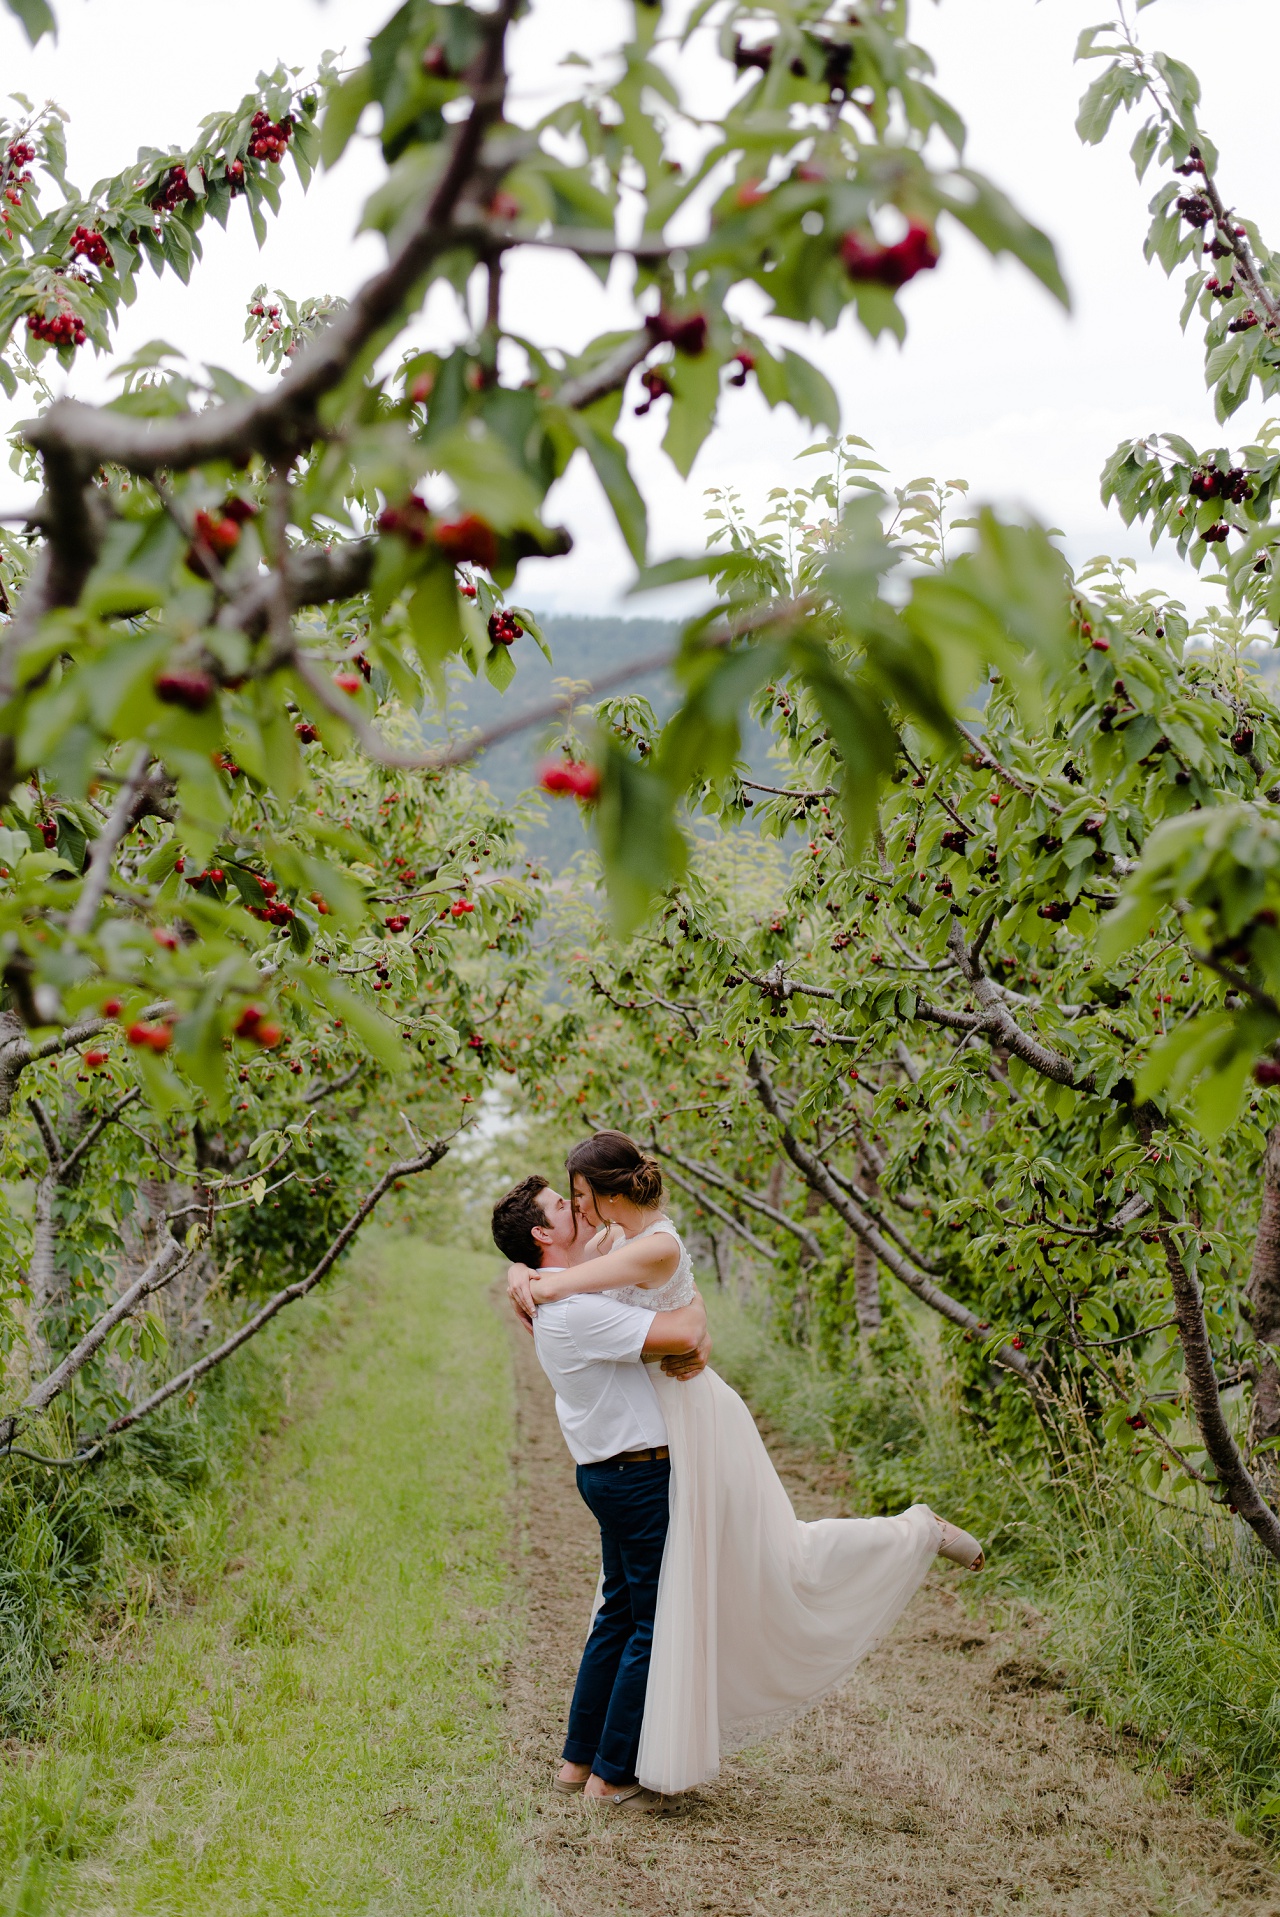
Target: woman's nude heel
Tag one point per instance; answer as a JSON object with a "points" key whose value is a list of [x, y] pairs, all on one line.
{"points": [[960, 1547]]}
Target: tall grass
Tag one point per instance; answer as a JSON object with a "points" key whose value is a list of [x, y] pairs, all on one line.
{"points": [[100, 1542], [1165, 1624]]}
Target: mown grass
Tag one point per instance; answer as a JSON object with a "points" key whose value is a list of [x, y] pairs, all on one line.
{"points": [[320, 1730], [1167, 1626]]}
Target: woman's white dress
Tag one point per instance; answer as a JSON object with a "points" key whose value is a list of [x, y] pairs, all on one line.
{"points": [[759, 1616]]}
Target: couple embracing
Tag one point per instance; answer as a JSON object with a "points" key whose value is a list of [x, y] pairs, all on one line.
{"points": [[719, 1616]]}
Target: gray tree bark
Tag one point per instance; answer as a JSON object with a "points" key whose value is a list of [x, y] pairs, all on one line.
{"points": [[866, 1266]]}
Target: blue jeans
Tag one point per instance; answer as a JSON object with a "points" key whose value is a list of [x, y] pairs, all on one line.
{"points": [[631, 1504]]}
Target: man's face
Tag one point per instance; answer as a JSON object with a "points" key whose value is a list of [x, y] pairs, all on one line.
{"points": [[562, 1228]]}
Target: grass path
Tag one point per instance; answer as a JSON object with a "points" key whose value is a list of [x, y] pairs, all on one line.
{"points": [[324, 1732], [360, 1717], [951, 1776]]}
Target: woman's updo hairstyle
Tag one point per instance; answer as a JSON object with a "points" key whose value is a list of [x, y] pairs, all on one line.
{"points": [[615, 1167]]}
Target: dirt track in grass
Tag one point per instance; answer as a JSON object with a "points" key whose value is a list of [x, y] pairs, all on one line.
{"points": [[950, 1776]]}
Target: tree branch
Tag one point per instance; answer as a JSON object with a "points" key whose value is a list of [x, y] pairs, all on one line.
{"points": [[167, 1263], [318, 1092], [290, 1293], [283, 422], [819, 1179], [1001, 1026], [97, 878], [757, 1244], [712, 1175], [95, 1131]]}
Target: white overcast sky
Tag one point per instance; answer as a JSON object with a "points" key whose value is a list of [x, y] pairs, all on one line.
{"points": [[994, 383]]}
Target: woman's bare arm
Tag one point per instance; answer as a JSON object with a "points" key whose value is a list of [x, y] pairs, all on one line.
{"points": [[645, 1262]]}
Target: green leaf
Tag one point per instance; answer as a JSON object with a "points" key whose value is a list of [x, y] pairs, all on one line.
{"points": [[995, 221], [695, 396], [342, 114], [377, 1032], [499, 667], [488, 480], [36, 17], [435, 619], [608, 457], [643, 850], [1118, 86]]}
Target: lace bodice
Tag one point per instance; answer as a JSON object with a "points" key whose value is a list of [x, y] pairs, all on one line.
{"points": [[676, 1292]]}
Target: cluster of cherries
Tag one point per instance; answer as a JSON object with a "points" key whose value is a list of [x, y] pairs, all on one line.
{"points": [[185, 686], [1210, 483], [156, 1037], [573, 778], [272, 911], [175, 189], [269, 138], [63, 328], [658, 386], [688, 335], [307, 733], [21, 154], [254, 1025], [891, 266], [217, 533], [88, 244], [469, 540], [504, 628]]}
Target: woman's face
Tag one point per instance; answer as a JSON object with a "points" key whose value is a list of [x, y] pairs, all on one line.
{"points": [[584, 1200]]}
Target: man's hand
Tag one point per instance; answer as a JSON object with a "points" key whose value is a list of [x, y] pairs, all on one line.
{"points": [[687, 1364], [519, 1282]]}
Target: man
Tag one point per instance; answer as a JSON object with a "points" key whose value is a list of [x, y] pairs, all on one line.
{"points": [[592, 1349]]}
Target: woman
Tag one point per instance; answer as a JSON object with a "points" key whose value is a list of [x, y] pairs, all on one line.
{"points": [[759, 1616]]}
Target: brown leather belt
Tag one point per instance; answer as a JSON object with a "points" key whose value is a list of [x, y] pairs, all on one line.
{"points": [[651, 1454]]}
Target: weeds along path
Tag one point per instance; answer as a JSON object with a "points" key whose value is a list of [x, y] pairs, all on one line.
{"points": [[949, 1777], [323, 1732]]}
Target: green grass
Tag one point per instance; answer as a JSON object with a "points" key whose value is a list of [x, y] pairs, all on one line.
{"points": [[1166, 1626], [321, 1731]]}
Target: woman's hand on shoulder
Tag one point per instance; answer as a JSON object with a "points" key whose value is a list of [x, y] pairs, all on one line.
{"points": [[607, 1239], [520, 1290]]}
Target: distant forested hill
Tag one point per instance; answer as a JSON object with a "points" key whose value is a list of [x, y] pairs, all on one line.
{"points": [[582, 648]]}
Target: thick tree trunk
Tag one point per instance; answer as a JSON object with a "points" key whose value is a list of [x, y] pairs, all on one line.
{"points": [[1264, 1311], [866, 1266], [42, 1272], [1233, 1473], [818, 1178]]}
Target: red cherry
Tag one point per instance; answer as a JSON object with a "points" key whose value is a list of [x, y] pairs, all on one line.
{"points": [[157, 1038], [349, 682], [396, 923], [193, 690], [469, 541], [93, 1059], [569, 776]]}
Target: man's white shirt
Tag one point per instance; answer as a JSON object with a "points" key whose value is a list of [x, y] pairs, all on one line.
{"points": [[591, 1349]]}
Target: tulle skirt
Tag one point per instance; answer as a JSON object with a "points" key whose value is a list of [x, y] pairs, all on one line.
{"points": [[759, 1616]]}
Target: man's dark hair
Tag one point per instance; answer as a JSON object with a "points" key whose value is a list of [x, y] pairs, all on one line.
{"points": [[514, 1218]]}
